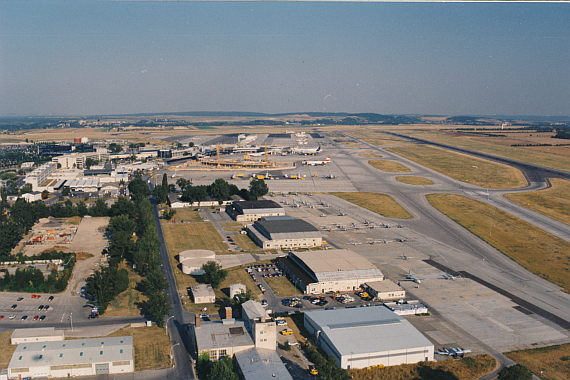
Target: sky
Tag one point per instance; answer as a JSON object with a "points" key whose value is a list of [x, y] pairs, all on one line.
{"points": [[69, 58]]}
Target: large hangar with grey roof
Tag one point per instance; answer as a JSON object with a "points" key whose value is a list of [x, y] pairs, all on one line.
{"points": [[336, 270], [284, 232], [368, 336], [250, 211]]}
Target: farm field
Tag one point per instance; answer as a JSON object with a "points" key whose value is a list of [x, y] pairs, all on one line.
{"points": [[389, 166], [553, 202], [382, 204], [411, 180], [548, 363], [463, 168], [534, 249]]}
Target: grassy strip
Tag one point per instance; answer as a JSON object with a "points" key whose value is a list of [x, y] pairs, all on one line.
{"points": [[7, 349], [536, 250], [462, 167], [549, 363], [389, 166], [375, 137], [281, 286], [185, 214], [245, 243], [517, 153], [411, 180], [371, 155], [468, 368], [553, 202], [128, 302], [151, 344], [382, 204], [200, 235]]}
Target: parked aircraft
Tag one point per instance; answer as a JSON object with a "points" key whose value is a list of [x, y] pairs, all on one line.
{"points": [[340, 213], [321, 162], [323, 215], [354, 243], [331, 176], [449, 276], [307, 151], [412, 277], [256, 154], [376, 241], [454, 351], [404, 257]]}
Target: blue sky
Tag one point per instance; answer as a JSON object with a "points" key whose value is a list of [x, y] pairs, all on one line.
{"points": [[91, 58]]}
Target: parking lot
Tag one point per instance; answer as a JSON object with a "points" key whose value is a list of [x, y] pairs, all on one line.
{"points": [[26, 307]]}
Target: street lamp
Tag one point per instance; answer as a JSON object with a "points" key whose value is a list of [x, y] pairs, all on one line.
{"points": [[71, 319], [166, 324], [171, 352]]}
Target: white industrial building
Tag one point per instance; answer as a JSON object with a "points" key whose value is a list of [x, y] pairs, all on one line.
{"points": [[278, 232], [43, 334], [250, 211], [77, 160], [193, 259], [332, 270], [79, 357], [385, 290], [203, 293], [368, 336], [39, 175], [409, 307], [32, 197]]}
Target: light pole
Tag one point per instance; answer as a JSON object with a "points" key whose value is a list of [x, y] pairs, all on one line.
{"points": [[71, 319], [166, 324], [171, 352]]}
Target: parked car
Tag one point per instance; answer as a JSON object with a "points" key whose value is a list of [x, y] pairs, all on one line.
{"points": [[20, 298], [93, 315], [13, 306], [12, 316], [41, 307], [42, 317], [50, 298], [36, 317], [24, 317]]}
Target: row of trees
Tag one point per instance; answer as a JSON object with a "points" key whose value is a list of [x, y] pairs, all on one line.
{"points": [[220, 189], [31, 279], [134, 240]]}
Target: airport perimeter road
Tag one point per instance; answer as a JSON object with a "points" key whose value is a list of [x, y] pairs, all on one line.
{"points": [[177, 321]]}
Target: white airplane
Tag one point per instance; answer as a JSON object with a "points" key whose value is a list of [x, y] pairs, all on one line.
{"points": [[449, 276], [454, 351], [354, 243], [256, 154], [307, 151], [412, 277], [376, 241], [321, 162], [404, 257], [331, 176], [308, 194], [340, 213], [295, 204], [323, 215]]}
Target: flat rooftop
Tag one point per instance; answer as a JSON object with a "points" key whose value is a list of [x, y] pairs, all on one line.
{"points": [[39, 332], [366, 329], [217, 334], [262, 364]]}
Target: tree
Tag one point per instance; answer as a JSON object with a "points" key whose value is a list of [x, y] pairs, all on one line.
{"points": [[515, 372], [45, 194], [222, 369], [90, 162], [100, 209], [123, 206], [190, 144], [257, 188], [158, 306], [154, 282], [138, 188], [183, 183], [213, 274], [65, 191], [26, 188], [168, 214], [220, 189]]}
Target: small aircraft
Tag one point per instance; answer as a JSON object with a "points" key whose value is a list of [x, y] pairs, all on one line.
{"points": [[331, 176], [401, 240], [318, 162], [323, 215], [449, 276], [376, 241], [454, 351], [308, 194], [412, 277], [340, 213], [354, 243], [285, 202], [404, 257], [295, 204]]}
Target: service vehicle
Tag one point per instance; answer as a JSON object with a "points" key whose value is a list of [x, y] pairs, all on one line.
{"points": [[287, 332]]}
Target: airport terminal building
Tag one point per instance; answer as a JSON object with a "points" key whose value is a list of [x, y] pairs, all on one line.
{"points": [[250, 211], [333, 270], [278, 232], [368, 336]]}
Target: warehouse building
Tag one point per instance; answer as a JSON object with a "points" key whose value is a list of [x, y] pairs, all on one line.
{"points": [[250, 211], [43, 334], [261, 364], [203, 293], [79, 357], [278, 232], [385, 290], [368, 336], [333, 270], [193, 259]]}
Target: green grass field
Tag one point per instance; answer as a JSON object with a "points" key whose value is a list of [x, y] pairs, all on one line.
{"points": [[389, 166], [411, 180], [534, 249], [381, 204], [549, 363], [463, 168]]}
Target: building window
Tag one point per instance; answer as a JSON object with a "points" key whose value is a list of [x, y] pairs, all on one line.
{"points": [[60, 355], [223, 353], [81, 354], [121, 351], [213, 355]]}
